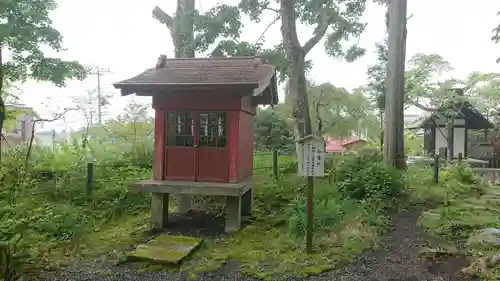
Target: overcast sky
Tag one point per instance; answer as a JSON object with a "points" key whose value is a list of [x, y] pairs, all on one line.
{"points": [[123, 37]]}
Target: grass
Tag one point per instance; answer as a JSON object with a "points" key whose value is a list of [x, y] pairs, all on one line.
{"points": [[62, 226], [457, 208], [267, 249], [273, 246]]}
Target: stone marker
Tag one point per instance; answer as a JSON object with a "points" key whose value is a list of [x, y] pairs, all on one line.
{"points": [[165, 249]]}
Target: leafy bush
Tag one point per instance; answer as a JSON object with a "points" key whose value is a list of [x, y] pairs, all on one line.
{"points": [[44, 199], [455, 181], [363, 175], [329, 210], [10, 262], [360, 183], [461, 172], [462, 203]]}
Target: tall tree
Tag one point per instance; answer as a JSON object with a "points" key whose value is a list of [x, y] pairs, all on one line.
{"points": [[336, 20], [24, 29], [338, 113], [216, 33], [193, 32]]}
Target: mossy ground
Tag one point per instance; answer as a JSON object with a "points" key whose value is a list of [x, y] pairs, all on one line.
{"points": [[266, 248], [457, 207], [165, 249], [266, 251]]}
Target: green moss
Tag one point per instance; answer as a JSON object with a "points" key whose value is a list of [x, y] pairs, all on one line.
{"points": [[315, 270], [165, 249], [267, 252], [149, 267], [264, 250], [118, 235]]}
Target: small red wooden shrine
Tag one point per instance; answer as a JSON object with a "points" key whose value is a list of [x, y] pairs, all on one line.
{"points": [[204, 110]]}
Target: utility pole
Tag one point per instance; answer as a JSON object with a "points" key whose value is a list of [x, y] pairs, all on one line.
{"points": [[394, 125], [99, 72]]}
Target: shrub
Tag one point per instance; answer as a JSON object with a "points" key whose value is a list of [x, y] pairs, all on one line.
{"points": [[454, 181], [10, 261], [364, 176], [329, 210], [359, 181]]}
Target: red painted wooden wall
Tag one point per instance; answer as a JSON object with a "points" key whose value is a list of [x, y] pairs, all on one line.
{"points": [[232, 163]]}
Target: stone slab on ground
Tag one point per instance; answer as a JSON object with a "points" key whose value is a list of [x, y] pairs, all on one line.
{"points": [[165, 249]]}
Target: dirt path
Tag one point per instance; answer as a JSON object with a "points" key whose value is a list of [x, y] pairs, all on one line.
{"points": [[396, 259]]}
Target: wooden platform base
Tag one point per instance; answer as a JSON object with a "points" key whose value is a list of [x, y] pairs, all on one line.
{"points": [[239, 197]]}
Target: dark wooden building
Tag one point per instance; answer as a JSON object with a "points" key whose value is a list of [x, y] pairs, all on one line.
{"points": [[436, 135]]}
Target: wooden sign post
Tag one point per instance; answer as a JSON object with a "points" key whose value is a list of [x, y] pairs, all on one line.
{"points": [[311, 163]]}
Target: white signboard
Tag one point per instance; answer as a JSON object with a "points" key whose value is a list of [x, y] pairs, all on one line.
{"points": [[313, 158]]}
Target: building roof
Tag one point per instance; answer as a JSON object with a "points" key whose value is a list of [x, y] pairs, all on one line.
{"points": [[339, 145], [473, 118], [188, 72]]}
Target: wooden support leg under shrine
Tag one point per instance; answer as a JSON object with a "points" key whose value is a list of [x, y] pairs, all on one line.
{"points": [[239, 197], [185, 203]]}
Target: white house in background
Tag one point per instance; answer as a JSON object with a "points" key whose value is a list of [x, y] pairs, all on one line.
{"points": [[23, 125]]}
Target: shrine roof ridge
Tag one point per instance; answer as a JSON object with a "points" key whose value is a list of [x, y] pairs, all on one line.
{"points": [[204, 71]]}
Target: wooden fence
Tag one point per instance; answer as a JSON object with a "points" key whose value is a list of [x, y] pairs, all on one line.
{"points": [[489, 175]]}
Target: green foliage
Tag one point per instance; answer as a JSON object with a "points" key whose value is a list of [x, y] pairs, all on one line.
{"points": [[424, 92], [455, 181], [339, 114], [338, 21], [496, 35], [44, 199], [464, 204], [329, 210], [10, 261], [363, 175], [194, 32], [25, 28], [271, 132], [217, 33], [414, 144], [220, 21], [377, 74], [360, 183]]}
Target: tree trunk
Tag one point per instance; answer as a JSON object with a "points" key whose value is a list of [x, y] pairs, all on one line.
{"points": [[396, 47], [183, 33], [297, 78], [3, 114]]}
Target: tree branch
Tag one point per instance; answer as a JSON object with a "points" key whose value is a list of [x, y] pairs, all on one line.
{"points": [[32, 137], [423, 107], [320, 30], [5, 139], [267, 28], [163, 17], [272, 9]]}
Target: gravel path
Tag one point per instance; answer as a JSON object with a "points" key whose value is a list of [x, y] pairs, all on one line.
{"points": [[395, 260]]}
